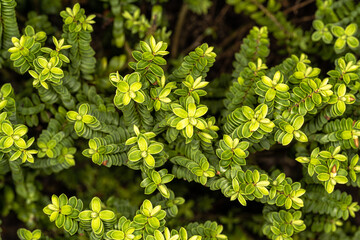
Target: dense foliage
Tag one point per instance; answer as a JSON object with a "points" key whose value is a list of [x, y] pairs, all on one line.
{"points": [[87, 127]]}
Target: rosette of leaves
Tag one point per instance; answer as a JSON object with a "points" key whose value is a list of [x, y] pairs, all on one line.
{"points": [[26, 48], [326, 164], [195, 161], [170, 205], [76, 31], [329, 171], [192, 88], [311, 162], [310, 93], [210, 132], [322, 32], [7, 96], [24, 153], [128, 88], [284, 192], [339, 100], [146, 135], [345, 70], [188, 117], [76, 20], [345, 132], [149, 218], [124, 231], [67, 155], [197, 63], [64, 212], [283, 224], [59, 45], [97, 151], [50, 146], [345, 37], [46, 70], [25, 234], [157, 180], [354, 168], [303, 72], [253, 123], [149, 60], [160, 95], [136, 22], [144, 149], [232, 152], [96, 219], [10, 136], [248, 186], [82, 120], [173, 235], [206, 231], [273, 89], [337, 204], [290, 129]]}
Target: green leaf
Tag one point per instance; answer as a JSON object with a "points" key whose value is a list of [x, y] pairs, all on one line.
{"points": [[339, 44], [155, 148], [201, 111], [351, 29], [341, 179], [182, 124], [150, 161], [180, 112], [7, 129], [156, 177], [270, 94], [248, 112], [157, 70], [189, 131], [287, 139], [140, 219], [134, 155], [85, 215], [72, 115], [142, 143], [135, 86], [337, 31], [323, 177], [352, 42], [227, 154], [79, 126], [96, 224], [95, 204], [123, 86], [154, 222], [84, 109], [107, 215], [139, 98]]}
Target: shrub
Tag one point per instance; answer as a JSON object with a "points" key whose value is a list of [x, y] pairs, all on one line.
{"points": [[64, 105]]}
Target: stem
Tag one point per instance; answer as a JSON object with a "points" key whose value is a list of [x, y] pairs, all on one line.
{"points": [[297, 6], [270, 16], [178, 29]]}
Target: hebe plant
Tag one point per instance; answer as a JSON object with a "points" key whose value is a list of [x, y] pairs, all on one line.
{"points": [[156, 120]]}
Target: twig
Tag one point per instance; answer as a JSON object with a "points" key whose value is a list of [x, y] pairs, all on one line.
{"points": [[197, 42], [128, 50], [270, 16], [304, 19], [297, 6], [178, 29], [238, 32], [222, 13]]}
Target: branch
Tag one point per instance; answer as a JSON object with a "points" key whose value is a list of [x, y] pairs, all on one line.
{"points": [[179, 25]]}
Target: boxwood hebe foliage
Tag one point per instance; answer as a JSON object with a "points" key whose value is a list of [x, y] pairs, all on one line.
{"points": [[152, 116]]}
